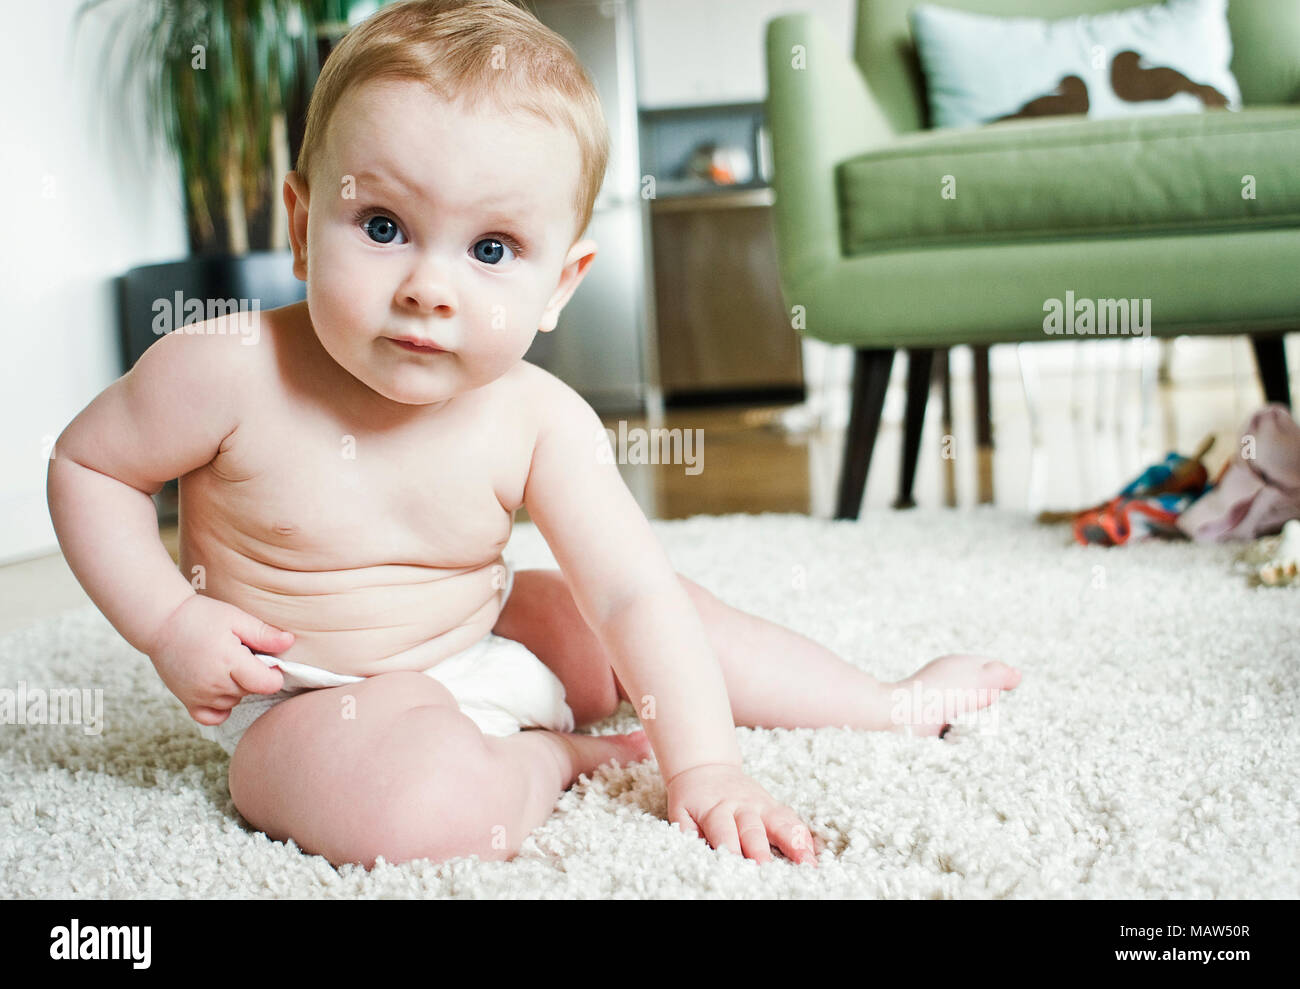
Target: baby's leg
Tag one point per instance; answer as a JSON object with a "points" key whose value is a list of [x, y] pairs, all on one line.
{"points": [[776, 678], [390, 767]]}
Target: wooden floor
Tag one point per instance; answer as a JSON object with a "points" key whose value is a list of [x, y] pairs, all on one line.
{"points": [[1070, 428]]}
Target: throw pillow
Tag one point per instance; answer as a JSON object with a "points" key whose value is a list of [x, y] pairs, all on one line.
{"points": [[1170, 57]]}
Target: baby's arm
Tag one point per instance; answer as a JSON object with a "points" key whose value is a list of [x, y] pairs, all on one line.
{"points": [[164, 418], [627, 591]]}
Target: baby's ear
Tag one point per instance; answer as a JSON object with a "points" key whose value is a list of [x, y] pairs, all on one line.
{"points": [[576, 263], [296, 196]]}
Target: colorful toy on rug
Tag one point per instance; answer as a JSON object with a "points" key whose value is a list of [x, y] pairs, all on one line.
{"points": [[1148, 506]]}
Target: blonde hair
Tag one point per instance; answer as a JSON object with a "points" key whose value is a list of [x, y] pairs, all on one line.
{"points": [[469, 50]]}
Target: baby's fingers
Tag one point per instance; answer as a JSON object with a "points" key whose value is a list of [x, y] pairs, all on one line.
{"points": [[259, 636], [208, 715], [719, 826], [254, 677], [791, 835], [753, 836], [686, 823]]}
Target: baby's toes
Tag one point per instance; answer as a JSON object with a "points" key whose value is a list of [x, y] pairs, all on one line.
{"points": [[638, 746], [1000, 676]]}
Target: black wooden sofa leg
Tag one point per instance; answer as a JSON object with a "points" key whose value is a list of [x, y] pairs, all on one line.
{"points": [[1270, 357], [870, 378], [983, 426], [920, 364]]}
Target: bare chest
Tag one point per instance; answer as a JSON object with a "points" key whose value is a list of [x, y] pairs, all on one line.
{"points": [[300, 490]]}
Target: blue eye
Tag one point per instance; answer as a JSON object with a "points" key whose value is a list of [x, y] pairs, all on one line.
{"points": [[492, 253], [381, 229]]}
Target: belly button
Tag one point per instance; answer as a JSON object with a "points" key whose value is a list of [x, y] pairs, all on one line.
{"points": [[284, 529]]}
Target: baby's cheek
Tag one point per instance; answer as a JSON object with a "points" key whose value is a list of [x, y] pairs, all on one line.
{"points": [[332, 311], [334, 284]]}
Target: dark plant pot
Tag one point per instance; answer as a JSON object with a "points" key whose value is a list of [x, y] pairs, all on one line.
{"points": [[148, 300]]}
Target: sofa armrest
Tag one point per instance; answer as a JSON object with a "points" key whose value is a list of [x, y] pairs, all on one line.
{"points": [[820, 111]]}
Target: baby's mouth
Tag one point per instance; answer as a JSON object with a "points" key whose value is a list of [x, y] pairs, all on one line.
{"points": [[417, 346]]}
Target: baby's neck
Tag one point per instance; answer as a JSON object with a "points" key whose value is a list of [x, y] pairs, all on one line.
{"points": [[374, 411]]}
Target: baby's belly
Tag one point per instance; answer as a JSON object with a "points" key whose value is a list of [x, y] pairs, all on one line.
{"points": [[375, 619]]}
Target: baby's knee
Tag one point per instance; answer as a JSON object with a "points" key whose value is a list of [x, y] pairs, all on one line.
{"points": [[426, 798]]}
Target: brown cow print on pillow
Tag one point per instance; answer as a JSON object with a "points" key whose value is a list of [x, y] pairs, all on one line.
{"points": [[1131, 82], [1070, 96], [1134, 84]]}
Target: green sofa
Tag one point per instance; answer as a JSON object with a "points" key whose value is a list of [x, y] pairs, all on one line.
{"points": [[1143, 208]]}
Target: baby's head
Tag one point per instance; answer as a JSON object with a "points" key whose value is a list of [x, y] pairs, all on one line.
{"points": [[451, 160]]}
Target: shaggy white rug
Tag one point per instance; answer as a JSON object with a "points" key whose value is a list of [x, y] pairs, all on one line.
{"points": [[1150, 751]]}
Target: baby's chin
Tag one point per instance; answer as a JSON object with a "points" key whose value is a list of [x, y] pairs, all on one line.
{"points": [[412, 386], [409, 392]]}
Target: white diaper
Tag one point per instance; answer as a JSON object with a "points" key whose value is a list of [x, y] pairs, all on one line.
{"points": [[498, 683]]}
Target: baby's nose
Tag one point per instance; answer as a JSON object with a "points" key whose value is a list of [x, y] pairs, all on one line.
{"points": [[428, 288]]}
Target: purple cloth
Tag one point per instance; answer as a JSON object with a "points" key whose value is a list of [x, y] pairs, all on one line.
{"points": [[1254, 496]]}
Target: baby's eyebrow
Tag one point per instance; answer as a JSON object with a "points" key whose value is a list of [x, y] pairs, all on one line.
{"points": [[370, 175], [496, 208]]}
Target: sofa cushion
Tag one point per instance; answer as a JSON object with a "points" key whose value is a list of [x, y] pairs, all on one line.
{"points": [[1070, 177]]}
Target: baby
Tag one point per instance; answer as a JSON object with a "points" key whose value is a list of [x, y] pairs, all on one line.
{"points": [[343, 621]]}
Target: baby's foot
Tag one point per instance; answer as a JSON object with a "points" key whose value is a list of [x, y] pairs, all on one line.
{"points": [[592, 751], [927, 702]]}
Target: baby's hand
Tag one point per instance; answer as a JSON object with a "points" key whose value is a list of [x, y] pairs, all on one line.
{"points": [[200, 654], [736, 813]]}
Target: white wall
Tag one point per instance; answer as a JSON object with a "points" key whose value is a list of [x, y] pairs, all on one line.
{"points": [[691, 52], [86, 201]]}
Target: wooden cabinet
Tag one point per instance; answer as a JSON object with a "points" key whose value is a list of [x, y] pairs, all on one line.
{"points": [[722, 324]]}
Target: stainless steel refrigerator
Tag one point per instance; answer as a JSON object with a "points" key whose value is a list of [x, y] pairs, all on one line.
{"points": [[602, 345]]}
